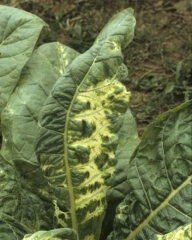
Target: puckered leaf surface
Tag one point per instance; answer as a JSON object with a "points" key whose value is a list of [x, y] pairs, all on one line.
{"points": [[46, 65], [181, 233], [20, 210], [11, 229], [119, 187], [19, 121], [78, 128], [159, 177], [19, 32], [128, 141]]}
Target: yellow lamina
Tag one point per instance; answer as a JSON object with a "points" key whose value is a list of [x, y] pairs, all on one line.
{"points": [[181, 233]]}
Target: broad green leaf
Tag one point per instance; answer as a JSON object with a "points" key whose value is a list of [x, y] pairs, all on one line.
{"points": [[78, 128], [159, 178], [19, 32], [19, 121], [55, 234], [181, 233], [19, 118]]}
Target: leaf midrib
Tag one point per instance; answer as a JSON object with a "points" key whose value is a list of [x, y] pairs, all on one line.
{"points": [[68, 172]]}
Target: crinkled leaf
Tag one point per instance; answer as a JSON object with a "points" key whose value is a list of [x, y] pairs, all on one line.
{"points": [[128, 141], [78, 128], [18, 203], [181, 233], [9, 184], [11, 229], [19, 32], [19, 118], [55, 234], [119, 187], [159, 177], [45, 66], [21, 212]]}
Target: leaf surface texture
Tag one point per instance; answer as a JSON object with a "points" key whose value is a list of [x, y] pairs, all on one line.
{"points": [[22, 182], [78, 128], [19, 32], [183, 232], [159, 177]]}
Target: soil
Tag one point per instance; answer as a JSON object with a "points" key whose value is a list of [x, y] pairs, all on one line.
{"points": [[159, 58]]}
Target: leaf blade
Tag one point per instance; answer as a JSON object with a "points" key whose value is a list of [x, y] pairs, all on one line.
{"points": [[89, 100], [19, 32], [183, 232], [157, 186], [19, 121]]}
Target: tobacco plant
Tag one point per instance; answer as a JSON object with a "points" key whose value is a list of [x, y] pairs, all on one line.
{"points": [[71, 163]]}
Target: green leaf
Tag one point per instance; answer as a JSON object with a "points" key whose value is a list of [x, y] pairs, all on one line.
{"points": [[78, 128], [19, 121], [181, 233], [21, 205], [119, 30], [128, 141], [159, 177], [12, 229], [55, 234], [9, 184], [19, 117], [19, 32]]}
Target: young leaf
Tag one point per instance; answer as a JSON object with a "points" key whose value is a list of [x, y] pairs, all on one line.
{"points": [[19, 32], [119, 30], [159, 178], [78, 127]]}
